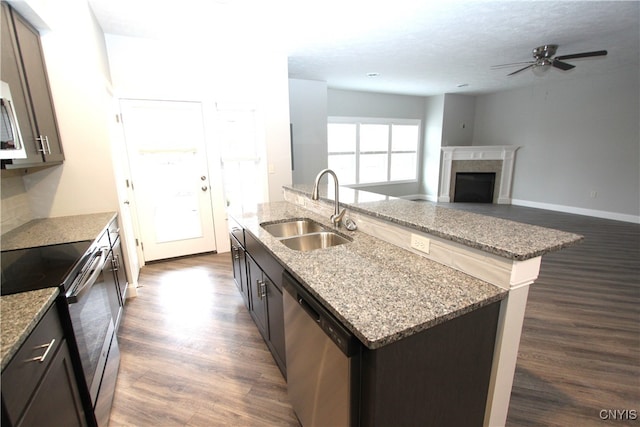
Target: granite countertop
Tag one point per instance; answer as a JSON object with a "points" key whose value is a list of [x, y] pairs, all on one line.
{"points": [[508, 239], [379, 291], [52, 231], [20, 314]]}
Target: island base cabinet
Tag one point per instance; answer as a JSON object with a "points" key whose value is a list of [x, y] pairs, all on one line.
{"points": [[258, 296], [439, 377]]}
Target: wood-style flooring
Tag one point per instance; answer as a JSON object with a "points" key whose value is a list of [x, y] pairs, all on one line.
{"points": [[191, 355]]}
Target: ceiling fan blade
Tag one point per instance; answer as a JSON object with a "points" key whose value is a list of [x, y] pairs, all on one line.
{"points": [[512, 64], [582, 55], [562, 65], [521, 69]]}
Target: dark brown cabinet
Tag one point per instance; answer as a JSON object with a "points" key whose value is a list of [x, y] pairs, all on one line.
{"points": [[258, 277], [23, 68], [39, 386]]}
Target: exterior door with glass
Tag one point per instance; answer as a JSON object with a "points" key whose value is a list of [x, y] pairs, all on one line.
{"points": [[167, 154]]}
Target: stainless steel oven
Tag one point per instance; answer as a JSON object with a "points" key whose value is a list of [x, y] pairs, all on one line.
{"points": [[84, 273], [94, 307]]}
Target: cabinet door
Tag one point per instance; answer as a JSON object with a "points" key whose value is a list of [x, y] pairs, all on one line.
{"points": [[239, 270], [38, 84], [12, 73], [258, 296], [56, 401], [276, 325]]}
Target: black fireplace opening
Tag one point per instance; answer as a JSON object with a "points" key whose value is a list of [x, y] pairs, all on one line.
{"points": [[474, 187]]}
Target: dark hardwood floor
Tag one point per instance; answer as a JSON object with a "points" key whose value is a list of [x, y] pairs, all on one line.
{"points": [[191, 355]]}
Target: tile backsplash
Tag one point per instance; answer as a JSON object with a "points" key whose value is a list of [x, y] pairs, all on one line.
{"points": [[15, 203]]}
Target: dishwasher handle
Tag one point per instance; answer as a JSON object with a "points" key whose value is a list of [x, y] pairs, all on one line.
{"points": [[310, 311]]}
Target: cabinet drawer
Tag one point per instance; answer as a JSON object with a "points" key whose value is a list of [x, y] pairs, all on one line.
{"points": [[21, 376]]}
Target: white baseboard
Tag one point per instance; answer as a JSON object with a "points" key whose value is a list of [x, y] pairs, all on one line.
{"points": [[578, 211]]}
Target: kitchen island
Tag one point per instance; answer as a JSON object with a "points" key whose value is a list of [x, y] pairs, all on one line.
{"points": [[387, 293]]}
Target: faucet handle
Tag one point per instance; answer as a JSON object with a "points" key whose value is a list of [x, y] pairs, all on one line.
{"points": [[336, 219]]}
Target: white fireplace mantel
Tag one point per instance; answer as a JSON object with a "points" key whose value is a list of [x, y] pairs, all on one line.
{"points": [[506, 153]]}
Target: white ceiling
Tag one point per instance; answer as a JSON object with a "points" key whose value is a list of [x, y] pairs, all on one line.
{"points": [[425, 47]]}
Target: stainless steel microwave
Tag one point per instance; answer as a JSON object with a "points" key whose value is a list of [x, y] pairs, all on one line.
{"points": [[11, 143]]}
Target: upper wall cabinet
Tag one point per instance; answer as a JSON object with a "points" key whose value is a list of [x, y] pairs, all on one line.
{"points": [[23, 69]]}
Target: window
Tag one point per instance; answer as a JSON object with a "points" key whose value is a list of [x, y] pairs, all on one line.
{"points": [[368, 151]]}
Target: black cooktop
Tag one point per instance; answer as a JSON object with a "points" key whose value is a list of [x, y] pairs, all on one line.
{"points": [[41, 267]]}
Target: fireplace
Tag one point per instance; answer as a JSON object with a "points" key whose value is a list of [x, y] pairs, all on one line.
{"points": [[474, 187], [494, 159]]}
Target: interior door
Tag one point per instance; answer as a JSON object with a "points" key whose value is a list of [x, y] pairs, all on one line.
{"points": [[166, 146]]}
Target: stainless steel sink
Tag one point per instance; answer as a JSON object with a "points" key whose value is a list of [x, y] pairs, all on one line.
{"points": [[312, 241], [304, 234], [293, 228]]}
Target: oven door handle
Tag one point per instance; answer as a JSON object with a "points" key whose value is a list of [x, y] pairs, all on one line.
{"points": [[96, 268]]}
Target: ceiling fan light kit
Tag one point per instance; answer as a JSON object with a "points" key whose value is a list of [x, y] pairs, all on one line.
{"points": [[543, 60]]}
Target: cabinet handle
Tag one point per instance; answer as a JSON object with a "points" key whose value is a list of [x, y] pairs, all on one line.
{"points": [[44, 147], [236, 252], [262, 288], [46, 139], [41, 359], [40, 146]]}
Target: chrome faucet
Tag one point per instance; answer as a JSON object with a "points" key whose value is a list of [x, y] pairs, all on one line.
{"points": [[336, 218]]}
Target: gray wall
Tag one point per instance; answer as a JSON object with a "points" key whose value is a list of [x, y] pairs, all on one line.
{"points": [[308, 115], [348, 103], [433, 125], [458, 121], [578, 137]]}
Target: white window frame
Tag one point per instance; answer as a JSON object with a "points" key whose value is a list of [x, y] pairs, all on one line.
{"points": [[381, 121]]}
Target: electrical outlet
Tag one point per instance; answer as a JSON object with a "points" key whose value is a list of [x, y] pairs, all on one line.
{"points": [[420, 243]]}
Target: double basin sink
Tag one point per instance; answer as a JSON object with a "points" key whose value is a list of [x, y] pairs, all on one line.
{"points": [[304, 234]]}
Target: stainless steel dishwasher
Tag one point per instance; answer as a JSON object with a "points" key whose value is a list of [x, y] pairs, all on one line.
{"points": [[323, 361]]}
